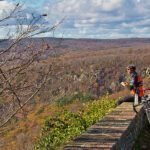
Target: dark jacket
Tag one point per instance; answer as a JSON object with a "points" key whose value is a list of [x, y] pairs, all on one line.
{"points": [[134, 81]]}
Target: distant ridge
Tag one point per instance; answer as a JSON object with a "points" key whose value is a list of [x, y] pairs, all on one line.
{"points": [[73, 44]]}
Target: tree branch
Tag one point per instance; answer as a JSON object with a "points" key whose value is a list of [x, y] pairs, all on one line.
{"points": [[38, 89]]}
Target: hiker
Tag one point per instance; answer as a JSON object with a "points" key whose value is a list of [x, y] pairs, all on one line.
{"points": [[135, 85]]}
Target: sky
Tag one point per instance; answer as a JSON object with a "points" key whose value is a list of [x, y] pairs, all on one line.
{"points": [[96, 19]]}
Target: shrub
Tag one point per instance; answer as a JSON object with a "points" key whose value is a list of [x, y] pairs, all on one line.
{"points": [[83, 97], [64, 101], [41, 110], [66, 125]]}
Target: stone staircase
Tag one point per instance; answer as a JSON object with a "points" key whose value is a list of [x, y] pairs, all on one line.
{"points": [[118, 131]]}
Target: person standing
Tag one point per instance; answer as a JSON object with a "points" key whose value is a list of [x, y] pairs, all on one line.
{"points": [[135, 85]]}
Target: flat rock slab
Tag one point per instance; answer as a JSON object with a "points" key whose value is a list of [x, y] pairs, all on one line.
{"points": [[118, 130]]}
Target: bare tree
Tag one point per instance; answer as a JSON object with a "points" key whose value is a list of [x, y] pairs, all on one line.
{"points": [[18, 60]]}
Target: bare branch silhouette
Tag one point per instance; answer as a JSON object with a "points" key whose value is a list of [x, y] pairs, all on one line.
{"points": [[18, 60]]}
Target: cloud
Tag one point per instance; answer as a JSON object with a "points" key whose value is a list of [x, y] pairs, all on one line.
{"points": [[107, 5], [89, 18], [3, 6], [6, 4], [22, 17], [94, 18]]}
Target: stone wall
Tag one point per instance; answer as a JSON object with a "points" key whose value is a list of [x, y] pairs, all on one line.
{"points": [[127, 140], [117, 131]]}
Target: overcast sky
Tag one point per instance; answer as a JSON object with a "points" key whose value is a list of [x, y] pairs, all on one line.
{"points": [[89, 18]]}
